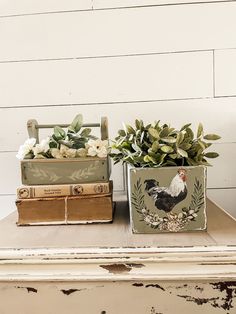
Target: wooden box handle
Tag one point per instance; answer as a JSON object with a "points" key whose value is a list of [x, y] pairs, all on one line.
{"points": [[33, 127]]}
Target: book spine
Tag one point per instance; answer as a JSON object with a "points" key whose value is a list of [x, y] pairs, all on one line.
{"points": [[39, 191]]}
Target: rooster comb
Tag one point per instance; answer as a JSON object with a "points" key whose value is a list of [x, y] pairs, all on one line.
{"points": [[182, 170]]}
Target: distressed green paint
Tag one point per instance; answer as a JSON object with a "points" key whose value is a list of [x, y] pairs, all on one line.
{"points": [[64, 171], [145, 215]]}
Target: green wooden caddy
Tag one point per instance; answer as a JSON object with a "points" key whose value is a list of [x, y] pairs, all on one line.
{"points": [[68, 170]]}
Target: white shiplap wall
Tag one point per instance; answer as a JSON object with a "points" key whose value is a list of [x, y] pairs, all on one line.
{"points": [[154, 59]]}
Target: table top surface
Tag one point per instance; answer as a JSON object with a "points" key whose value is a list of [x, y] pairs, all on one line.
{"points": [[221, 231]]}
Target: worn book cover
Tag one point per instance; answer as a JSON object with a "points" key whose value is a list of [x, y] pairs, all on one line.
{"points": [[65, 210], [38, 191]]}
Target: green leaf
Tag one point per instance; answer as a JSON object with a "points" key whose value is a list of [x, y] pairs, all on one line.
{"points": [[182, 152], [211, 137], [155, 146], [167, 149], [138, 124], [200, 130], [211, 155], [165, 132], [173, 156], [185, 126], [85, 132], [185, 146], [130, 129], [180, 138], [154, 133], [52, 144], [191, 162], [189, 133], [201, 144], [136, 148], [146, 158], [76, 123], [59, 133], [169, 139], [121, 133]]}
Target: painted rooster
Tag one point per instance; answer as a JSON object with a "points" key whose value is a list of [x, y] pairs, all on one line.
{"points": [[167, 197]]}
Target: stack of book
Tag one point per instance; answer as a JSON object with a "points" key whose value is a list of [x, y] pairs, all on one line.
{"points": [[65, 203]]}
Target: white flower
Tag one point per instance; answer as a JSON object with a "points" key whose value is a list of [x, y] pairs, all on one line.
{"points": [[26, 148], [42, 147], [82, 152], [67, 152], [97, 148], [55, 152]]}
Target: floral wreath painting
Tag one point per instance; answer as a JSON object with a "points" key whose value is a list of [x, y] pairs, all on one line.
{"points": [[174, 207]]}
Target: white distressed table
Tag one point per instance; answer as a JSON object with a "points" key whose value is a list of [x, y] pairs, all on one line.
{"points": [[105, 269]]}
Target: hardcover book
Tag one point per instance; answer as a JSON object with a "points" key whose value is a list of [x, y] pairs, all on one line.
{"points": [[38, 191], [65, 210]]}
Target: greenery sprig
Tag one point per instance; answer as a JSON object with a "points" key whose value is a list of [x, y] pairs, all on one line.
{"points": [[156, 145]]}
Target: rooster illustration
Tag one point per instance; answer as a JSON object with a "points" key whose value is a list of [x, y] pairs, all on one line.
{"points": [[167, 197]]}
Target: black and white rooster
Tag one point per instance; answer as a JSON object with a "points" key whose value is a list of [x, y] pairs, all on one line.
{"points": [[167, 197]]}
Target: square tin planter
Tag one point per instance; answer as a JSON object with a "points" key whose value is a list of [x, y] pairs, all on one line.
{"points": [[64, 171], [168, 199]]}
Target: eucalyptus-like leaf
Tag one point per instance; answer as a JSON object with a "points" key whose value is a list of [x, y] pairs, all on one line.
{"points": [[59, 133], [211, 155], [169, 139], [165, 131], [185, 146], [170, 163], [211, 137], [185, 126], [130, 129], [155, 146], [76, 123], [189, 133], [136, 148], [85, 132], [200, 130], [167, 149], [180, 138], [121, 133], [154, 133], [182, 152]]}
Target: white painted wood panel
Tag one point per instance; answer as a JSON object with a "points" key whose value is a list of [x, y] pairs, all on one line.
{"points": [[99, 4], [15, 7], [226, 198], [166, 76], [225, 72], [177, 113], [221, 175], [143, 30]]}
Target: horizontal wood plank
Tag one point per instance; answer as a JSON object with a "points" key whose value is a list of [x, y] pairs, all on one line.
{"points": [[100, 4], [23, 7], [221, 175], [225, 72], [177, 113], [171, 76], [109, 32]]}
